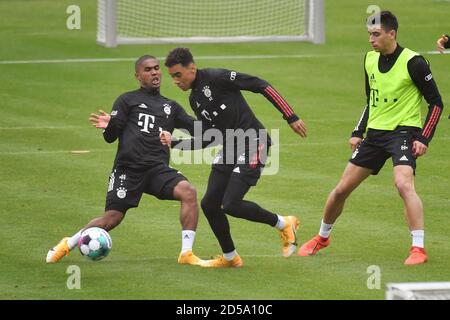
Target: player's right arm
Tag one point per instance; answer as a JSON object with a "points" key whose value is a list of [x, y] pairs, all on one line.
{"points": [[360, 128], [118, 120], [100, 120]]}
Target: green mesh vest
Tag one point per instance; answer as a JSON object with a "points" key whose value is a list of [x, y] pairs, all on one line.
{"points": [[394, 98]]}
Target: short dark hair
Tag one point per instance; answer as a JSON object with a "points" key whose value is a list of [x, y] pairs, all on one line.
{"points": [[179, 56], [387, 20], [140, 60]]}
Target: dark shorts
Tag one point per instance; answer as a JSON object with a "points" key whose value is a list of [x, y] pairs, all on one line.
{"points": [[126, 186], [247, 167], [380, 145]]}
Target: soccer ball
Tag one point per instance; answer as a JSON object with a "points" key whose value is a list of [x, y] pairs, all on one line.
{"points": [[95, 243]]}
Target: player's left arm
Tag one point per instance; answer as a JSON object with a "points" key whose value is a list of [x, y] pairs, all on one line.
{"points": [[183, 120], [422, 77], [443, 43], [254, 84]]}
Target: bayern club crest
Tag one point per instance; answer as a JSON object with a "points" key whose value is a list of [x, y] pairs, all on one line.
{"points": [[167, 108], [207, 91]]}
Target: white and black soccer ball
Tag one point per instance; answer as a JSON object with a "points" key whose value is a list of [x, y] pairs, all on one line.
{"points": [[95, 243]]}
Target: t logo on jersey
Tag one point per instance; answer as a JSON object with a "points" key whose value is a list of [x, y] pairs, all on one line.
{"points": [[148, 123]]}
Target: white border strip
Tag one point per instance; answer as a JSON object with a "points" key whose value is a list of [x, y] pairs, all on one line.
{"points": [[249, 57], [43, 128]]}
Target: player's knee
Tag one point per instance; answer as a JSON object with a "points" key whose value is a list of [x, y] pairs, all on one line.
{"points": [[341, 192], [404, 188], [209, 206], [231, 208], [206, 207], [187, 191]]}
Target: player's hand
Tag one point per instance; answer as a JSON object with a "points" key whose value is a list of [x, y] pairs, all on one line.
{"points": [[100, 120], [354, 142], [419, 149], [166, 138], [440, 43], [299, 128]]}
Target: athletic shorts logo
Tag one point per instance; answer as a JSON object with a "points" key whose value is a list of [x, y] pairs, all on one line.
{"points": [[121, 192], [111, 181], [429, 77], [404, 158], [355, 153]]}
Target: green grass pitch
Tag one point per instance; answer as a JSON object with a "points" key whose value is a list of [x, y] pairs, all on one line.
{"points": [[47, 192]]}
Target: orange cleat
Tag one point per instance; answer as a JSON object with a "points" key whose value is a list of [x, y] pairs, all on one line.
{"points": [[311, 247], [221, 262], [58, 252], [417, 255], [189, 258], [289, 235]]}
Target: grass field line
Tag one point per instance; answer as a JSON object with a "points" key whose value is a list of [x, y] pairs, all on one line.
{"points": [[230, 57], [220, 57], [37, 152], [43, 128], [305, 144]]}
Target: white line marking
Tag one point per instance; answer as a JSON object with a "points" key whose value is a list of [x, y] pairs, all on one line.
{"points": [[240, 57], [437, 52], [37, 152], [43, 128], [249, 57]]}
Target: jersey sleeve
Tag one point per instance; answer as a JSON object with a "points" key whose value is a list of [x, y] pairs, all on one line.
{"points": [[119, 116], [422, 77], [361, 126], [183, 120], [242, 81], [195, 130]]}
